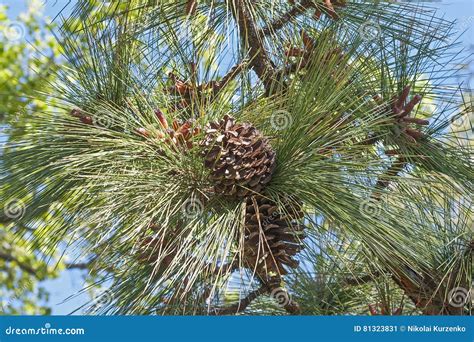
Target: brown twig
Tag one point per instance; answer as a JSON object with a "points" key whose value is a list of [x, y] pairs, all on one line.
{"points": [[186, 90], [252, 40], [297, 10], [227, 268], [217, 86], [80, 265], [384, 180], [191, 7], [25, 267], [353, 281]]}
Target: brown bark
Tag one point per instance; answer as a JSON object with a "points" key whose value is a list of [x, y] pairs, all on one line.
{"points": [[253, 43]]}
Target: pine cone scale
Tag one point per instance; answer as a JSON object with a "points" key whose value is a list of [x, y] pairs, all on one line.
{"points": [[241, 160], [271, 237]]}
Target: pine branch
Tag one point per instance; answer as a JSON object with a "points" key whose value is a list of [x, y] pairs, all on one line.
{"points": [[384, 180], [191, 7], [427, 292], [79, 266], [25, 267], [252, 40], [100, 163], [291, 14], [354, 281], [299, 9], [187, 90], [217, 86], [227, 268]]}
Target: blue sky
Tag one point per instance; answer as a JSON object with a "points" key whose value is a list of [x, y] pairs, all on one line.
{"points": [[71, 282]]}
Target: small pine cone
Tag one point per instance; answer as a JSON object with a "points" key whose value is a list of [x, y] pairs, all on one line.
{"points": [[178, 134], [241, 159], [272, 236], [181, 134]]}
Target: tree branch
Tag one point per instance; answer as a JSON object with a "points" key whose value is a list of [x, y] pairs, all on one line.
{"points": [[87, 265], [186, 91], [252, 40], [216, 86], [226, 268], [384, 180], [25, 267], [297, 10], [428, 292], [354, 281], [78, 266]]}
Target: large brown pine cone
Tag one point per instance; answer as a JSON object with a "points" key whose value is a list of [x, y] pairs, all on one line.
{"points": [[273, 236], [241, 159]]}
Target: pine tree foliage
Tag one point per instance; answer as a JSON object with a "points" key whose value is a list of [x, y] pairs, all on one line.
{"points": [[345, 139]]}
